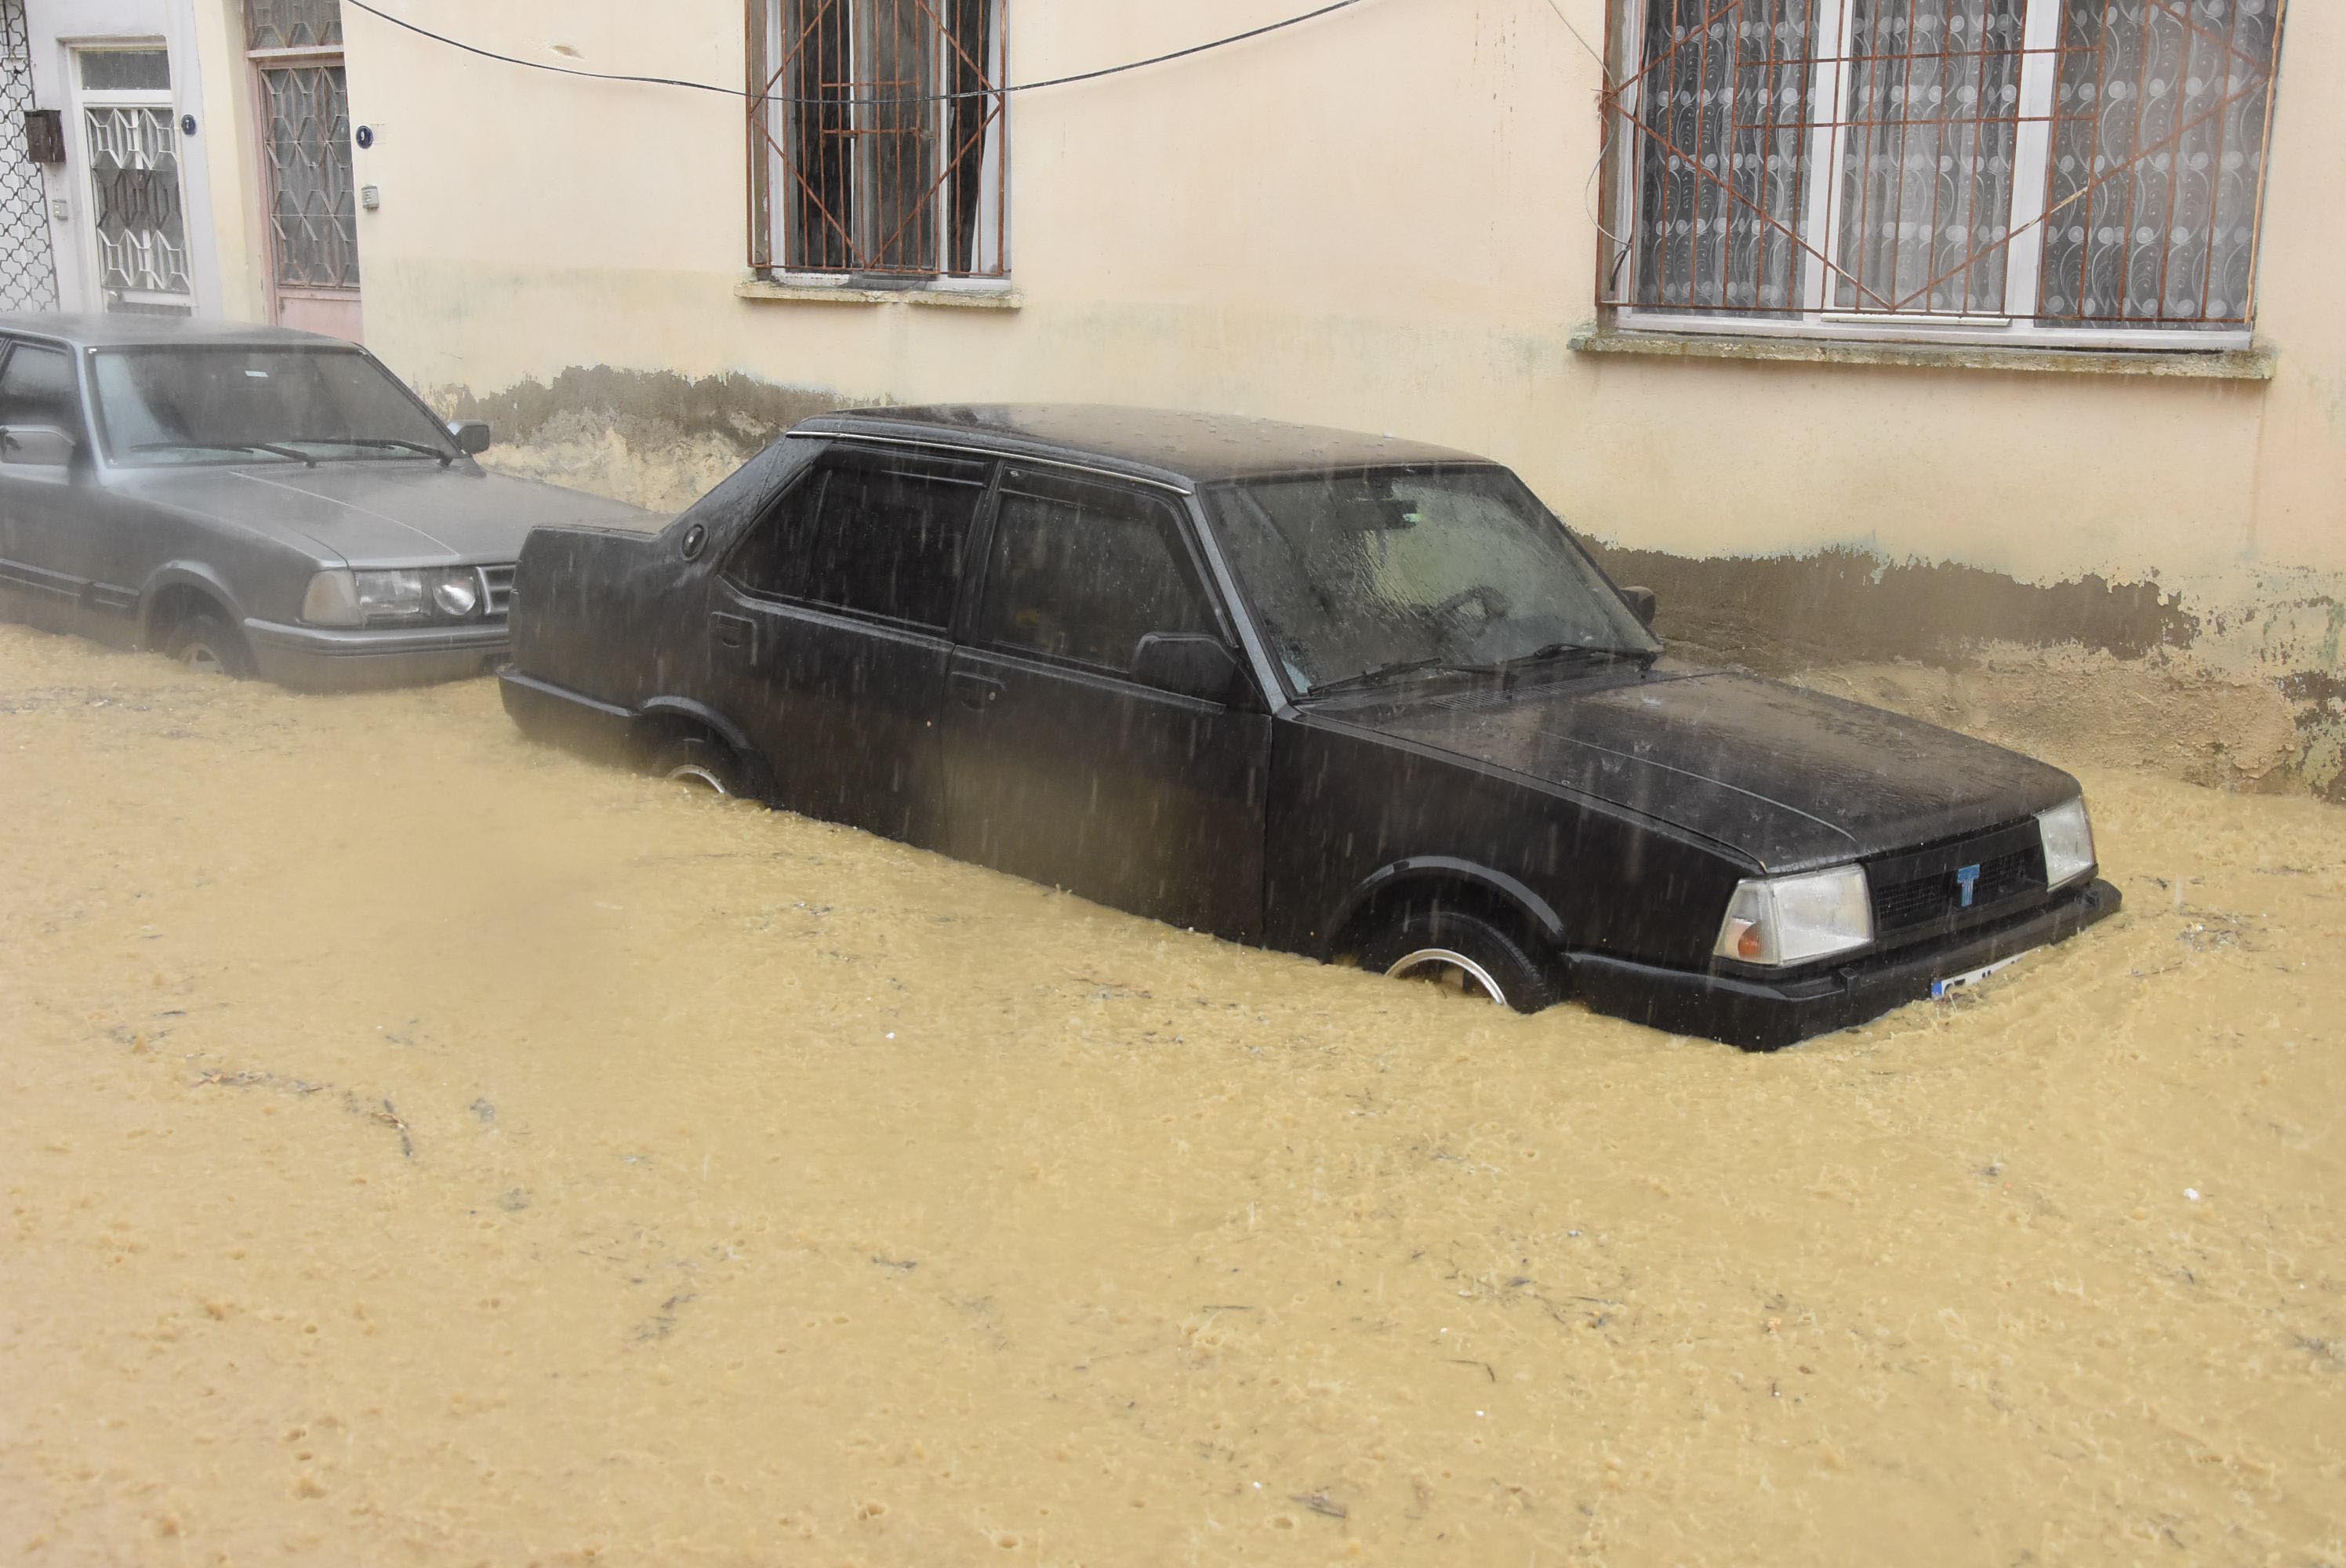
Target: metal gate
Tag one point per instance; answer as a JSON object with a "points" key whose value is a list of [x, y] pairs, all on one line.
{"points": [[28, 266]]}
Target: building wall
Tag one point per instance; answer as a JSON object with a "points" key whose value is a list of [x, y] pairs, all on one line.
{"points": [[1384, 220]]}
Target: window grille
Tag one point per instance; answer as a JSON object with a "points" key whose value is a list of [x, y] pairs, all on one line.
{"points": [[29, 271], [293, 24], [2054, 171], [878, 139]]}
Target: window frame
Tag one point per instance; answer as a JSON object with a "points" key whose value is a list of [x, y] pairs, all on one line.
{"points": [[818, 474], [1819, 228], [1175, 524], [773, 253], [86, 100]]}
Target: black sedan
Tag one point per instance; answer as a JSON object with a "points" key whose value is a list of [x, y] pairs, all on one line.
{"points": [[1329, 693], [254, 501]]}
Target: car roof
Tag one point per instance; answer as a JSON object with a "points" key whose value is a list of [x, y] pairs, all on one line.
{"points": [[1168, 446], [113, 331]]}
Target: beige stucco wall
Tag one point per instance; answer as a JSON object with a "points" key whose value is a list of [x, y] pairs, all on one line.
{"points": [[1381, 220]]}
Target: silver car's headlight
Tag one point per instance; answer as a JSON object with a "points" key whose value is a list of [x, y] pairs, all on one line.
{"points": [[393, 596], [1780, 920], [2068, 835], [346, 598]]}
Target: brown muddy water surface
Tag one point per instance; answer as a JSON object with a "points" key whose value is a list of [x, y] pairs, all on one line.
{"points": [[419, 1146]]}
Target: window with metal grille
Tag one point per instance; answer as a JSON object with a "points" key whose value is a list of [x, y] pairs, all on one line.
{"points": [[2077, 172], [878, 139]]}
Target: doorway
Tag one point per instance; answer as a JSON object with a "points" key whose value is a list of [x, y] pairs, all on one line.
{"points": [[302, 109]]}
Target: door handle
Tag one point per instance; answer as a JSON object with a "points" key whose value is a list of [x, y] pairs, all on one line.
{"points": [[976, 691], [734, 632]]}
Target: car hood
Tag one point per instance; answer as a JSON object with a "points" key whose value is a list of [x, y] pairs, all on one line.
{"points": [[1791, 778], [392, 513]]}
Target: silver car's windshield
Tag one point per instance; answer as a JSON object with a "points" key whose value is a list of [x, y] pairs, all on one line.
{"points": [[222, 403], [1363, 576]]}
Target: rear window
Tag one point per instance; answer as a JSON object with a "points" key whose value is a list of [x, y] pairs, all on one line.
{"points": [[878, 533]]}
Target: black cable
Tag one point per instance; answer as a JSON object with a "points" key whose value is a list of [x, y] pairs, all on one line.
{"points": [[930, 99]]}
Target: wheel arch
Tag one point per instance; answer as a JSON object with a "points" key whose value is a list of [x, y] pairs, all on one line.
{"points": [[1442, 878], [667, 718], [175, 591]]}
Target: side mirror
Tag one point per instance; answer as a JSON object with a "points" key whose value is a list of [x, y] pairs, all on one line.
{"points": [[1187, 664], [472, 436], [38, 446], [1641, 604]]}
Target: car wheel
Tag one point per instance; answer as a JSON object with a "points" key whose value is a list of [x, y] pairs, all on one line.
{"points": [[210, 646], [706, 767], [1467, 954]]}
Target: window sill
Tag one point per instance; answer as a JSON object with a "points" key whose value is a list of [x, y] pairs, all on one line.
{"points": [[764, 291], [2220, 365]]}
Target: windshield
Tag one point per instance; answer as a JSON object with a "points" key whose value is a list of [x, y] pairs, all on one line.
{"points": [[243, 404], [1361, 574]]}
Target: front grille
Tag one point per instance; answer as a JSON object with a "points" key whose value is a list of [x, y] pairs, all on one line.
{"points": [[1926, 888], [497, 587]]}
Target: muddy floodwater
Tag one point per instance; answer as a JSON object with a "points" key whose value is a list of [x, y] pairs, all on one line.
{"points": [[419, 1146]]}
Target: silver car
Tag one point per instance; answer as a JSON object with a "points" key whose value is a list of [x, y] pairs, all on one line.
{"points": [[255, 501]]}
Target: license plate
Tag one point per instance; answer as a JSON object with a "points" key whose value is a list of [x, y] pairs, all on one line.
{"points": [[1940, 988]]}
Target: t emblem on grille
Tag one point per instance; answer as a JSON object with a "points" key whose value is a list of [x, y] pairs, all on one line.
{"points": [[1968, 883]]}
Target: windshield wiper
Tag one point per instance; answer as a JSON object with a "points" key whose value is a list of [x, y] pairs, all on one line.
{"points": [[1377, 675], [392, 443], [1554, 652], [284, 452]]}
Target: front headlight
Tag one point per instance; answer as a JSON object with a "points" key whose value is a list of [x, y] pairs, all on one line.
{"points": [[2068, 835], [1780, 920], [391, 595], [457, 594], [348, 598]]}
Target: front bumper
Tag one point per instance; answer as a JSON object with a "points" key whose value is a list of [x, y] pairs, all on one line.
{"points": [[310, 658], [1762, 1015]]}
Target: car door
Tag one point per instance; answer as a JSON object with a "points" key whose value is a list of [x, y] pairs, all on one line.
{"points": [[50, 555], [829, 632], [1064, 767]]}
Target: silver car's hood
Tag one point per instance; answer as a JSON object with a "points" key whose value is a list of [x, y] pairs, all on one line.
{"points": [[399, 512]]}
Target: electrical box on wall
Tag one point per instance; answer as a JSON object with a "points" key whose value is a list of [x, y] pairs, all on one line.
{"points": [[45, 135]]}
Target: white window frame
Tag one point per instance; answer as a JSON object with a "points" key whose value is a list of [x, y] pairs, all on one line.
{"points": [[84, 99], [1821, 221], [990, 262]]}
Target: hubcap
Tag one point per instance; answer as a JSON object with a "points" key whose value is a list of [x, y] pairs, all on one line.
{"points": [[1453, 972], [202, 656], [698, 778]]}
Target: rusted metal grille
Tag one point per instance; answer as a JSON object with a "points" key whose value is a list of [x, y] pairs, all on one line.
{"points": [[2081, 168], [878, 139]]}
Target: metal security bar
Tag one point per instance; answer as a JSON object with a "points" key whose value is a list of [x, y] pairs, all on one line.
{"points": [[28, 271], [879, 137], [2053, 170]]}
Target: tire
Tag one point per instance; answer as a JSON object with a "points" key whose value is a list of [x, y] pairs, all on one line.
{"points": [[207, 643], [1475, 955], [705, 764]]}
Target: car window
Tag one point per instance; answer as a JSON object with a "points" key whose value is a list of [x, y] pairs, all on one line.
{"points": [[772, 558], [36, 388], [888, 533], [1084, 573]]}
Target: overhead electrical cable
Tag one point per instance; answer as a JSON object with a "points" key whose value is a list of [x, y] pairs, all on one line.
{"points": [[835, 102]]}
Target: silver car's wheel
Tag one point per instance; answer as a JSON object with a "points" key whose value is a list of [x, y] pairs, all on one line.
{"points": [[203, 658], [1453, 972]]}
